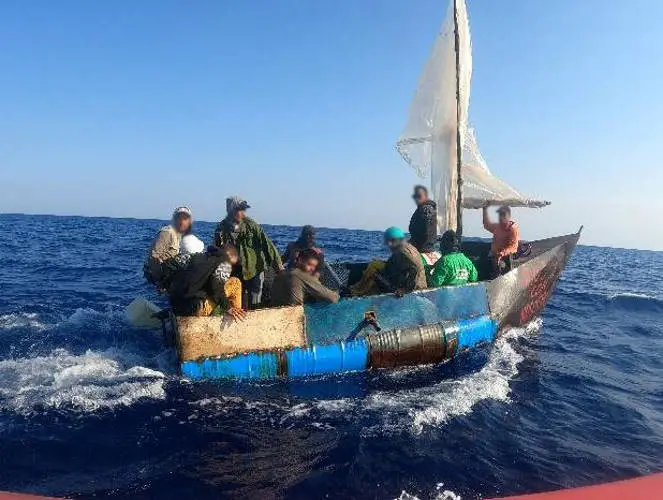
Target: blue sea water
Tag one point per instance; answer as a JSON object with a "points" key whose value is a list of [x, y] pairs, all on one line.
{"points": [[92, 408]]}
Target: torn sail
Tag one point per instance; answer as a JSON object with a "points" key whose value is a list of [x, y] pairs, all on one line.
{"points": [[428, 142]]}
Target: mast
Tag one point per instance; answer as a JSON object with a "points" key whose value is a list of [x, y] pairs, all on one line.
{"points": [[459, 152]]}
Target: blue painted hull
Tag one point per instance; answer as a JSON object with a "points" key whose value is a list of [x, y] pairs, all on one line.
{"points": [[422, 327], [338, 357]]}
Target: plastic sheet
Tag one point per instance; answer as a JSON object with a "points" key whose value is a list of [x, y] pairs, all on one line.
{"points": [[429, 141]]}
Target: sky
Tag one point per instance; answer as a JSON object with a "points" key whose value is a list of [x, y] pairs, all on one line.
{"points": [[128, 109]]}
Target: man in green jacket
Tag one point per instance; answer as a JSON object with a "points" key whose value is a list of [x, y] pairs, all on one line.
{"points": [[256, 251], [453, 268]]}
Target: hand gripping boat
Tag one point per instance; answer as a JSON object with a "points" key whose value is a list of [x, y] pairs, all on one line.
{"points": [[382, 331], [422, 327]]}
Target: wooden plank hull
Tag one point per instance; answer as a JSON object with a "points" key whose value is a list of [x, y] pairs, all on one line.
{"points": [[428, 326]]}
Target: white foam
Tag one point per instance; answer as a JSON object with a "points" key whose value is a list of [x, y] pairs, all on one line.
{"points": [[637, 295], [399, 410], [438, 403], [86, 382], [439, 495], [21, 320]]}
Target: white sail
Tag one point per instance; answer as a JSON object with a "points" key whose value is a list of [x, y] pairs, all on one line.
{"points": [[429, 140]]}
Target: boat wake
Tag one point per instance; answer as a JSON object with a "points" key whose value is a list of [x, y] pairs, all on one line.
{"points": [[121, 367], [437, 404], [86, 382], [387, 412], [21, 320], [49, 369]]}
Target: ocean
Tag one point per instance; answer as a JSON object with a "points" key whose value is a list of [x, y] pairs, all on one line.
{"points": [[93, 408]]}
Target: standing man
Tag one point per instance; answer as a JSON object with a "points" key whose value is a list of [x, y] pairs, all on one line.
{"points": [[161, 262], [423, 226], [256, 251], [505, 239]]}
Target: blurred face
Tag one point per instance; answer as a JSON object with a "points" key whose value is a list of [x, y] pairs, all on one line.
{"points": [[393, 244], [419, 196], [182, 223], [310, 239], [503, 217], [233, 258], [240, 215], [309, 265]]}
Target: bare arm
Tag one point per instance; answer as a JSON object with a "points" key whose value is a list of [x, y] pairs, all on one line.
{"points": [[488, 226]]}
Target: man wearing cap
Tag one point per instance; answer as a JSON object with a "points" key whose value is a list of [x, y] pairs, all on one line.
{"points": [[404, 271], [165, 247], [256, 251], [505, 239]]}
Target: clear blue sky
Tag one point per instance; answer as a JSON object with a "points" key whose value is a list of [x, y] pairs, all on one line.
{"points": [[129, 108]]}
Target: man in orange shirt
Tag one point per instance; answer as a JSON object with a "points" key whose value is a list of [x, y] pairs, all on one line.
{"points": [[505, 239]]}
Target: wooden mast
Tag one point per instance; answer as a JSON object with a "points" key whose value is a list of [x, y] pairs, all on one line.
{"points": [[459, 152]]}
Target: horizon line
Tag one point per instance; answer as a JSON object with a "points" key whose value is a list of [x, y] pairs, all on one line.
{"points": [[25, 214]]}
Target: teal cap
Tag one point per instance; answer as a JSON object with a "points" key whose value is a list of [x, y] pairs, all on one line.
{"points": [[394, 233]]}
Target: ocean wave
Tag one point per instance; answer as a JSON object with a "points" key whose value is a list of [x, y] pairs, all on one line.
{"points": [[437, 404], [636, 301], [85, 383], [440, 494], [627, 300], [21, 320]]}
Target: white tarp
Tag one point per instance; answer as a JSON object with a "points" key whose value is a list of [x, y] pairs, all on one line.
{"points": [[428, 142]]}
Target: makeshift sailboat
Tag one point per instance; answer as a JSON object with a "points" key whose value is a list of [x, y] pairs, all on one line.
{"points": [[383, 331]]}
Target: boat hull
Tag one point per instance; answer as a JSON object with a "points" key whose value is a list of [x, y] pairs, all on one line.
{"points": [[383, 331]]}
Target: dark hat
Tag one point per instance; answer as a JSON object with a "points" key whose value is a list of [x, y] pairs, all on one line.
{"points": [[449, 241], [504, 210]]}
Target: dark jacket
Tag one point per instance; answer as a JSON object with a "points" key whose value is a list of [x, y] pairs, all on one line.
{"points": [[256, 251], [191, 285], [293, 249], [423, 227], [404, 270]]}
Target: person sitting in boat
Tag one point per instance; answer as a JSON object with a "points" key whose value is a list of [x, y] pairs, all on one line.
{"points": [[256, 251], [423, 225], [165, 247], [404, 271], [453, 268], [298, 285], [189, 245], [205, 285], [505, 239], [305, 241]]}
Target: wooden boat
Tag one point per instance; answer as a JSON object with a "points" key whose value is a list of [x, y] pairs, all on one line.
{"points": [[382, 331], [422, 327]]}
